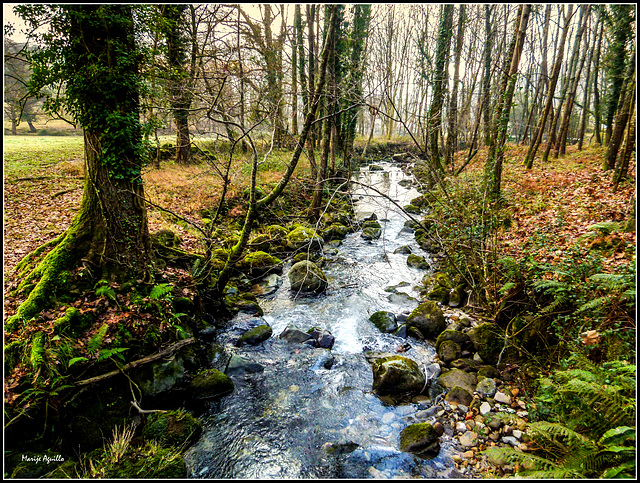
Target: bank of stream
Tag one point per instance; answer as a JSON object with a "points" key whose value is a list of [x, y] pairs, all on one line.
{"points": [[303, 412]]}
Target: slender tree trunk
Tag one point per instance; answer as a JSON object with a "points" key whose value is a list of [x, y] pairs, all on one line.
{"points": [[622, 167], [486, 77], [622, 117], [495, 156], [586, 98], [537, 138], [596, 90], [452, 136]]}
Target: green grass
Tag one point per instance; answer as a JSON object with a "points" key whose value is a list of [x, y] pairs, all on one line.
{"points": [[26, 156]]}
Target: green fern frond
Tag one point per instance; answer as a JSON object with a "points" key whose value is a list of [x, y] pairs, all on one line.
{"points": [[96, 341], [107, 353], [625, 470], [605, 227], [594, 304], [160, 291], [550, 286], [556, 432]]}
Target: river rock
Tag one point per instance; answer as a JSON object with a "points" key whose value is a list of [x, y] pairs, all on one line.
{"points": [[420, 439], [403, 250], [322, 338], [456, 377], [384, 321], [488, 371], [469, 439], [459, 396], [456, 336], [173, 428], [488, 340], [302, 237], [486, 387], [394, 375], [239, 366], [449, 351], [324, 361], [371, 230], [428, 319], [255, 336], [502, 398], [417, 261], [210, 383], [335, 231], [258, 264], [485, 408], [307, 277], [292, 334]]}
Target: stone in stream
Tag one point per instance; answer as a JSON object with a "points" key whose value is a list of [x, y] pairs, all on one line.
{"points": [[428, 319], [486, 387], [307, 277], [456, 377], [255, 336], [240, 366], [417, 261], [396, 375], [210, 383], [384, 321], [449, 351], [420, 439]]}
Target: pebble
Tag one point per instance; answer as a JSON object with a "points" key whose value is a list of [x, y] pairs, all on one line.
{"points": [[468, 454], [469, 439], [502, 398], [485, 408], [461, 427], [517, 433], [510, 440]]}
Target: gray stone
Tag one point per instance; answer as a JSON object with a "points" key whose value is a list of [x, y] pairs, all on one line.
{"points": [[456, 377], [239, 366], [307, 277], [502, 398], [485, 408], [486, 388], [469, 439], [510, 440], [397, 375]]}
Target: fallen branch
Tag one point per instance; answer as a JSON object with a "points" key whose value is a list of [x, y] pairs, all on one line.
{"points": [[139, 362]]}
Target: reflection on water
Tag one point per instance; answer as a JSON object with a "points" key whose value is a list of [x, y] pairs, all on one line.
{"points": [[297, 419]]}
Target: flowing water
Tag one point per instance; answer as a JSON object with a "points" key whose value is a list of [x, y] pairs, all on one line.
{"points": [[299, 419]]}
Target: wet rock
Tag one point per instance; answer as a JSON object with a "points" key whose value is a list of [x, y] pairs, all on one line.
{"points": [[384, 321], [428, 319], [258, 264], [292, 334], [268, 285], [324, 361], [255, 336], [403, 250], [335, 232], [307, 277], [488, 371], [162, 376], [395, 375], [417, 261], [322, 338], [239, 366], [210, 383], [457, 296], [420, 439], [466, 365]]}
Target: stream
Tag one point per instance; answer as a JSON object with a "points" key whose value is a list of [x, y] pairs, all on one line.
{"points": [[310, 413]]}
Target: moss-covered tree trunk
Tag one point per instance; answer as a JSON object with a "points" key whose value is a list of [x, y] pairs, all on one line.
{"points": [[109, 235]]}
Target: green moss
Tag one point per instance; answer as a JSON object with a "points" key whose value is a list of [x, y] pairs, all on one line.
{"points": [[417, 437], [148, 461], [72, 323], [255, 336], [13, 353], [210, 383], [173, 428]]}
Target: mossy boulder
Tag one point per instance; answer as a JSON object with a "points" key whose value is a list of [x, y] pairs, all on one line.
{"points": [[428, 319], [245, 302], [403, 250], [420, 439], [459, 395], [416, 261], [210, 383], [276, 232], [335, 232], [460, 338], [384, 321], [396, 375], [302, 237], [449, 351], [307, 277], [161, 376], [258, 264], [255, 336], [261, 242], [414, 210], [173, 428], [166, 238], [458, 296], [456, 377], [488, 340]]}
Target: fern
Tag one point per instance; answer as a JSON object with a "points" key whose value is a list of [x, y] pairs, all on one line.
{"points": [[161, 291], [105, 290], [96, 341], [115, 352]]}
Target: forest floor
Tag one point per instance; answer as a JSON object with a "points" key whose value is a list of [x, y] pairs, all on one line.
{"points": [[560, 199]]}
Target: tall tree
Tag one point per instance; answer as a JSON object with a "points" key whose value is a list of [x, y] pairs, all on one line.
{"points": [[452, 131], [92, 48], [181, 72], [445, 34], [555, 74], [495, 155]]}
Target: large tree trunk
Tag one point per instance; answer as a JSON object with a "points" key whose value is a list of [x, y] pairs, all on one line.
{"points": [[109, 235]]}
